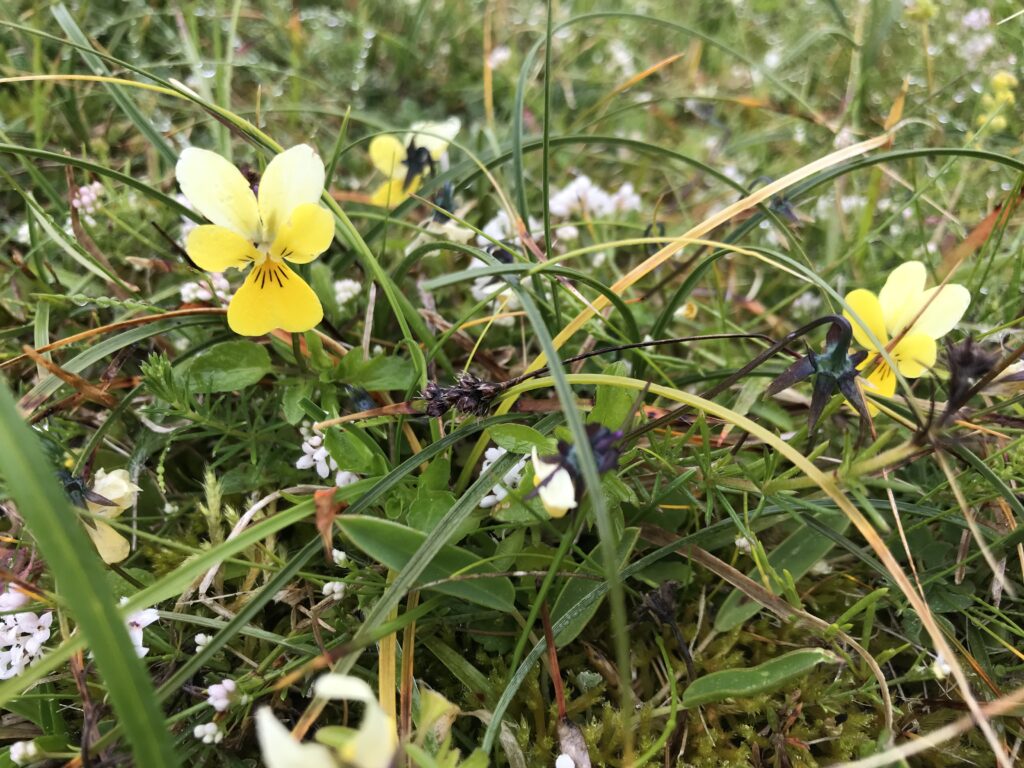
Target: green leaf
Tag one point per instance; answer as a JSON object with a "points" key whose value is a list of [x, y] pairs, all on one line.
{"points": [[354, 454], [394, 545], [81, 586], [228, 366], [521, 439], [612, 404], [291, 402], [752, 681], [377, 374], [576, 589], [797, 553]]}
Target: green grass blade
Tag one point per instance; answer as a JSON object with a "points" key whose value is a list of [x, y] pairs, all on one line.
{"points": [[81, 584]]}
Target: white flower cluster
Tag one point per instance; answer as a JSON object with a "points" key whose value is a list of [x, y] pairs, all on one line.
{"points": [[208, 733], [136, 623], [498, 56], [22, 636], [346, 290], [510, 481], [315, 455], [340, 558], [86, 199], [221, 695], [584, 196], [23, 752], [334, 589], [979, 39], [201, 640], [199, 290]]}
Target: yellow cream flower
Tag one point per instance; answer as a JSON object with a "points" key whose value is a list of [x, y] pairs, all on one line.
{"points": [[373, 745], [906, 311], [281, 222], [405, 162], [116, 487], [554, 485]]}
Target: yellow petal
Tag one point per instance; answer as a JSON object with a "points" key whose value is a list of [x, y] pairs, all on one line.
{"points": [[939, 315], [375, 743], [554, 486], [294, 177], [882, 381], [391, 193], [865, 312], [280, 750], [215, 248], [434, 136], [914, 354], [901, 294], [305, 234], [273, 296], [387, 155], [218, 191], [112, 546]]}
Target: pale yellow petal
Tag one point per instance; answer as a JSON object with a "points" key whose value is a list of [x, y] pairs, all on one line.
{"points": [[554, 486], [901, 294], [435, 137], [215, 248], [218, 191], [305, 234], [112, 546], [881, 381], [294, 177], [273, 296], [939, 310], [280, 750], [865, 314], [392, 192], [387, 154], [914, 354], [375, 743]]}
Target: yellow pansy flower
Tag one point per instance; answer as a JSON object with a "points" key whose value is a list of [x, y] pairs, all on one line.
{"points": [[404, 162], [906, 311], [280, 222]]}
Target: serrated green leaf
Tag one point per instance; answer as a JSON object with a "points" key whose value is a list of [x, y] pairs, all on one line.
{"points": [[394, 545], [228, 366], [521, 439], [752, 681]]}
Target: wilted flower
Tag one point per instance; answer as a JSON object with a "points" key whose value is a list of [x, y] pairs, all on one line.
{"points": [[405, 162], [266, 225], [373, 745], [907, 313], [117, 488]]}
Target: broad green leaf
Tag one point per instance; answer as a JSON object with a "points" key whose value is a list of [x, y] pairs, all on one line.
{"points": [[612, 404], [576, 589], [394, 545], [228, 366], [521, 439], [752, 681], [353, 453], [377, 374], [796, 554], [82, 588]]}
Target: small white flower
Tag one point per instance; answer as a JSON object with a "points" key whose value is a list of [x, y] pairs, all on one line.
{"points": [[12, 598], [345, 290], [821, 568], [344, 477], [86, 199], [743, 544], [806, 303], [977, 19], [564, 761], [314, 454], [201, 641], [136, 622], [498, 56], [221, 695], [509, 481], [567, 232], [23, 234], [941, 668], [335, 589], [200, 290], [23, 752], [22, 636], [208, 733], [340, 557]]}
